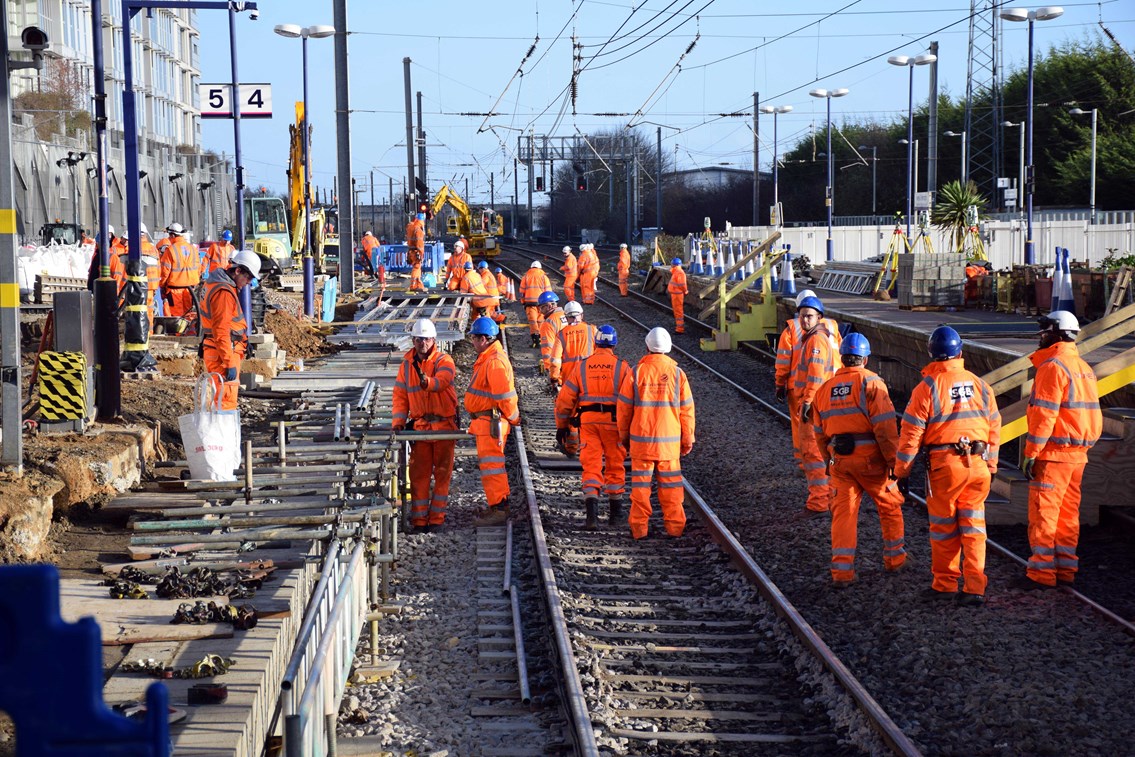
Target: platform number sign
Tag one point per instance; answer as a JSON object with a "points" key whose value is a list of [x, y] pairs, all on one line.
{"points": [[255, 100]]}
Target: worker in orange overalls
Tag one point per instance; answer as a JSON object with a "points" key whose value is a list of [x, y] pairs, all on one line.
{"points": [[587, 402], [218, 254], [953, 415], [426, 400], [975, 271], [570, 270], [415, 251], [223, 328], [471, 283], [655, 411], [553, 321], [574, 342], [368, 244], [116, 258], [588, 272], [152, 260], [624, 269], [181, 272], [1064, 423], [678, 290], [504, 285], [492, 406], [854, 421], [533, 284], [814, 364], [490, 283], [455, 266]]}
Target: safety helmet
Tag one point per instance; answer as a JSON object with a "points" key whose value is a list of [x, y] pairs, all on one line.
{"points": [[227, 235], [536, 265], [804, 293], [658, 340], [460, 236], [482, 266], [855, 344], [424, 328], [368, 234], [110, 229], [945, 343], [1059, 320], [249, 260], [676, 261], [174, 228], [546, 297], [497, 269], [606, 336], [573, 308], [468, 266], [567, 250], [623, 246], [142, 228], [484, 326], [421, 216], [811, 302]]}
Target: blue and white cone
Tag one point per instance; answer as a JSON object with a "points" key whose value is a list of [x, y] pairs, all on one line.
{"points": [[697, 267], [787, 278], [1067, 297]]}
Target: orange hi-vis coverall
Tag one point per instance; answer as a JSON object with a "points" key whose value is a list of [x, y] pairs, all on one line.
{"points": [[570, 269], [429, 408], [786, 364], [573, 343], [490, 283], [1064, 423], [150, 259], [455, 266], [590, 393], [624, 269], [503, 287], [217, 257], [678, 290], [813, 363], [588, 274], [473, 284], [948, 406], [656, 425], [549, 330], [533, 284], [224, 332], [491, 388], [854, 409], [415, 252], [181, 272]]}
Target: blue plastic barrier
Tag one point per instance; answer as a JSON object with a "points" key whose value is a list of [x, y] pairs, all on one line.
{"points": [[393, 256]]}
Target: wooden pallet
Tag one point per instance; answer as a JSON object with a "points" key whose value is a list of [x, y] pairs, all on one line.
{"points": [[47, 286], [1119, 293]]}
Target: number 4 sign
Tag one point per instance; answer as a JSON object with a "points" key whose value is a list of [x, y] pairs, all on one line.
{"points": [[255, 100]]}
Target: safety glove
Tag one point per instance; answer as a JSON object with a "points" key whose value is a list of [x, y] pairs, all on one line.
{"points": [[1027, 468], [562, 436], [230, 374], [806, 411], [781, 393]]}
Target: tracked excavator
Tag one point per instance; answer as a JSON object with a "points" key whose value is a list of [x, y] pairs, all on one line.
{"points": [[324, 218], [482, 230]]}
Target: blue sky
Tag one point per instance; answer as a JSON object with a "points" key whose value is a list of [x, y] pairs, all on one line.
{"points": [[465, 54]]}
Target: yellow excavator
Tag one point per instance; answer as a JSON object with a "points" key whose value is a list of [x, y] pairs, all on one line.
{"points": [[325, 235], [481, 230]]}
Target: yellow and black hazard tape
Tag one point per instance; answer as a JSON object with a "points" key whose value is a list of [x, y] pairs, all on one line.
{"points": [[63, 386]]}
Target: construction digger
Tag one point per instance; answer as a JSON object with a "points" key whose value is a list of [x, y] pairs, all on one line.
{"points": [[323, 225], [481, 230]]}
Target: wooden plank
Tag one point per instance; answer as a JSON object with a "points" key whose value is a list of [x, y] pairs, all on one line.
{"points": [[154, 633], [733, 738], [694, 696], [688, 680]]}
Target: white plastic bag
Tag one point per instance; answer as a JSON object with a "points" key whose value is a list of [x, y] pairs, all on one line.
{"points": [[211, 436]]}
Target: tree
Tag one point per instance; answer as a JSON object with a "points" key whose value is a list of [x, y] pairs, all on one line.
{"points": [[951, 212], [60, 106]]}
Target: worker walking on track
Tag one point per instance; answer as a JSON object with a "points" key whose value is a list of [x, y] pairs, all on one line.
{"points": [[813, 364], [574, 342], [588, 402], [588, 273], [952, 414], [492, 406], [553, 316], [415, 251], [218, 254], [181, 272], [855, 422], [415, 238], [490, 283], [223, 328], [533, 284], [678, 290], [426, 400], [570, 270], [655, 411], [1064, 423], [624, 269]]}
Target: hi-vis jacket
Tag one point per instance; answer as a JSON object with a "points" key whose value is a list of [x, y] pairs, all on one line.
{"points": [[570, 266], [224, 329], [656, 409], [948, 404], [573, 343], [591, 389], [812, 364], [533, 284], [677, 283], [549, 330], [588, 262], [1064, 410], [624, 266], [790, 337], [433, 408], [491, 388], [415, 236], [855, 402], [181, 266]]}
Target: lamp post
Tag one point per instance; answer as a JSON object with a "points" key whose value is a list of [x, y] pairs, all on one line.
{"points": [[874, 168], [776, 110], [1021, 167], [910, 63], [1079, 112], [829, 194], [1022, 14], [915, 174], [75, 158], [962, 134], [318, 32]]}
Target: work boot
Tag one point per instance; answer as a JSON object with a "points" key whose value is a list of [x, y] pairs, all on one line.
{"points": [[615, 512], [591, 504], [493, 516]]}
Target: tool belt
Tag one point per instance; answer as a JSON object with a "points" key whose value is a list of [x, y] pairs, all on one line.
{"points": [[964, 447], [844, 444], [494, 417], [595, 408], [431, 418]]}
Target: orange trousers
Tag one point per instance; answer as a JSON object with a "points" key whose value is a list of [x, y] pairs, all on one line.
{"points": [[815, 465], [956, 508], [678, 303], [569, 287], [587, 287], [494, 475], [1054, 521], [178, 302], [416, 284], [852, 477], [229, 390], [535, 318], [602, 456], [624, 283], [670, 496], [430, 459], [794, 422]]}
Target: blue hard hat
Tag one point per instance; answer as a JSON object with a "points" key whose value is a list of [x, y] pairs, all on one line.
{"points": [[421, 216], [227, 235], [811, 302], [497, 269], [482, 266], [676, 261], [855, 344], [485, 327], [468, 266], [945, 343], [606, 336], [546, 297]]}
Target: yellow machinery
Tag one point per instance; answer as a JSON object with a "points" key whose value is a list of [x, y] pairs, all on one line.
{"points": [[325, 234], [481, 230]]}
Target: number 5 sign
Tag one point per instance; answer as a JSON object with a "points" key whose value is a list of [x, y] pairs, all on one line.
{"points": [[255, 100]]}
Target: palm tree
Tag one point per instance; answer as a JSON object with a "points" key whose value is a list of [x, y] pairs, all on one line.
{"points": [[952, 211]]}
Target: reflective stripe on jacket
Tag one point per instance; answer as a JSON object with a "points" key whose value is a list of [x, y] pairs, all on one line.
{"points": [[217, 257], [570, 266], [855, 401], [489, 281], [790, 337], [415, 236], [593, 381], [223, 327], [438, 400], [624, 265], [533, 284], [573, 343], [549, 330], [491, 387], [180, 265], [655, 409], [1064, 409], [677, 283], [813, 363], [589, 262]]}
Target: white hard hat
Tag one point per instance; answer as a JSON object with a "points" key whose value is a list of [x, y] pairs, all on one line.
{"points": [[567, 250], [1059, 320], [110, 229], [804, 293], [143, 229], [658, 340], [536, 264], [623, 245], [175, 228], [573, 308], [249, 260], [368, 234], [424, 327]]}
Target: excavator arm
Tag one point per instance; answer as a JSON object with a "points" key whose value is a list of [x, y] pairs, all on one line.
{"points": [[446, 196]]}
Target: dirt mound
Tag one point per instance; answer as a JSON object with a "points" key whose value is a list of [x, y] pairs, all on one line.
{"points": [[300, 339]]}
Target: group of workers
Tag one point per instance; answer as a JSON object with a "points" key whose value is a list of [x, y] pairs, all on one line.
{"points": [[848, 443]]}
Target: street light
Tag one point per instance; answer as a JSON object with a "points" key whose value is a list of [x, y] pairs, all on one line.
{"points": [[910, 63], [907, 142], [874, 167], [829, 194], [963, 136], [1079, 112], [1023, 14], [776, 110], [293, 31], [1021, 169], [73, 159]]}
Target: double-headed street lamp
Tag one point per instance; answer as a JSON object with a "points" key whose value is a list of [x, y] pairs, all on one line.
{"points": [[1079, 112], [318, 32], [1023, 14], [776, 110], [910, 63], [961, 134], [829, 194], [874, 168]]}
